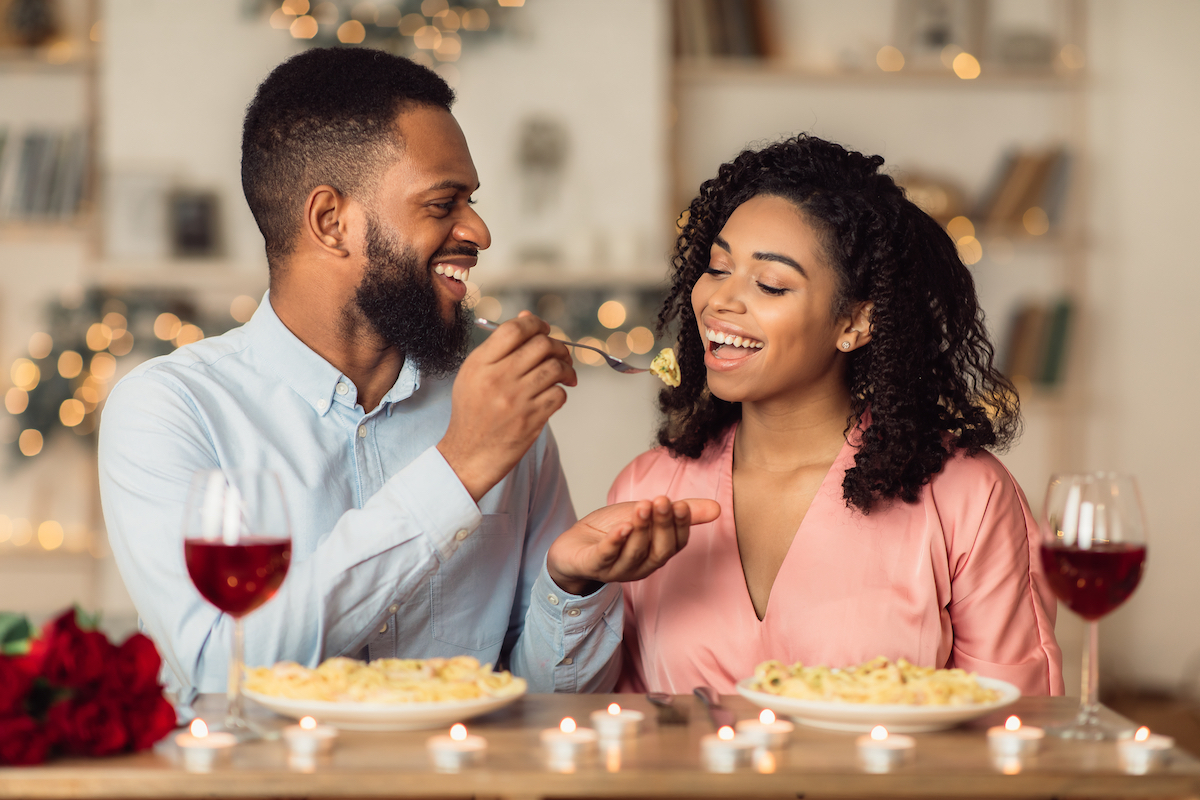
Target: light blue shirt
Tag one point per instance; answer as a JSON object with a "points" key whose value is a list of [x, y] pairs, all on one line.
{"points": [[390, 555]]}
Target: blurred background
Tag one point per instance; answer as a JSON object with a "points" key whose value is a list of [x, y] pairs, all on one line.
{"points": [[1055, 139]]}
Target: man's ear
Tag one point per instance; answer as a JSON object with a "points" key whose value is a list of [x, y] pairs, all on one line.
{"points": [[326, 220], [857, 329]]}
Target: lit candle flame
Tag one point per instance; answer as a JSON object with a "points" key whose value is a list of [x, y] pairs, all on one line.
{"points": [[614, 709], [567, 725], [458, 732], [725, 732], [1143, 733], [767, 716], [199, 729], [1013, 723], [308, 723], [879, 733]]}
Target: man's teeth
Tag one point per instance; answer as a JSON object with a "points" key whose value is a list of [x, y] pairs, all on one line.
{"points": [[729, 339], [451, 272]]}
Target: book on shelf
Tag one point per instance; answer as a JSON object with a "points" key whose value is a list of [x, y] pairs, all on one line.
{"points": [[1037, 342], [722, 29], [1025, 179], [42, 174]]}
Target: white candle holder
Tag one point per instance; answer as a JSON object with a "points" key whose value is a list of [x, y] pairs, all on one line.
{"points": [[880, 752], [458, 751], [308, 738], [766, 732], [567, 746], [725, 751], [1014, 740], [617, 723], [1143, 751], [201, 749]]}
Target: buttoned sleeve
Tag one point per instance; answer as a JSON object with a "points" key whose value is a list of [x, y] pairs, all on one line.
{"points": [[154, 437], [560, 642]]}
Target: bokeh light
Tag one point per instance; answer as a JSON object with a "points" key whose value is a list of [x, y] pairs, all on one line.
{"points": [[365, 12], [410, 24], [326, 13], [476, 20], [30, 442], [617, 344], [70, 364], [25, 374], [510, 3], [449, 48], [242, 308], [889, 59], [188, 334], [448, 20], [351, 32], [960, 227], [640, 340], [304, 27], [427, 38], [1072, 57], [966, 66], [489, 308], [587, 356], [431, 8], [611, 314], [117, 324], [99, 336], [16, 400], [103, 366], [166, 326], [970, 250], [295, 7], [50, 535], [1036, 222], [71, 412], [40, 344], [122, 345]]}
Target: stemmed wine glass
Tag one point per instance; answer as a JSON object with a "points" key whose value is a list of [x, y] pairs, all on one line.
{"points": [[237, 546], [1093, 552]]}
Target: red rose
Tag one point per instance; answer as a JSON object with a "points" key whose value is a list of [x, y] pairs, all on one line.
{"points": [[89, 728], [133, 668], [22, 741], [74, 657], [148, 720], [16, 677]]}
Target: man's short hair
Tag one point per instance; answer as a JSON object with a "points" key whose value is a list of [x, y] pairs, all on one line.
{"points": [[326, 116]]}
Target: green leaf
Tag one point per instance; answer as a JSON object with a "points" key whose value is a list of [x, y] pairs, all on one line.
{"points": [[14, 630], [86, 621]]}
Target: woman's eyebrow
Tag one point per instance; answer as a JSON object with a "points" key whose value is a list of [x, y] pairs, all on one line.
{"points": [[782, 259]]}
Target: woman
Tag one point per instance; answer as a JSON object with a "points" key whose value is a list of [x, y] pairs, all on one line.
{"points": [[837, 395]]}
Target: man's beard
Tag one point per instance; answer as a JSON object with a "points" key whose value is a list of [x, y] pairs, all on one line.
{"points": [[397, 296]]}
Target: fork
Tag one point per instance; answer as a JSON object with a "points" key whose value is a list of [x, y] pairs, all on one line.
{"points": [[612, 361]]}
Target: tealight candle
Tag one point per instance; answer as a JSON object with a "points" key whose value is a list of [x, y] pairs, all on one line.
{"points": [[617, 723], [568, 744], [201, 748], [308, 738], [457, 751], [766, 731], [1144, 751], [724, 751], [880, 752], [1014, 740]]}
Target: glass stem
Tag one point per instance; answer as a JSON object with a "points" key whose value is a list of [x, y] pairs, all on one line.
{"points": [[233, 718], [1089, 697]]}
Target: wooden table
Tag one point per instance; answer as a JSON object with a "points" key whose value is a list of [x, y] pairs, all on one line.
{"points": [[663, 762]]}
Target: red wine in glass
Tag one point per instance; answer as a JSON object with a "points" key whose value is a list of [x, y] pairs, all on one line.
{"points": [[1093, 582], [238, 578]]}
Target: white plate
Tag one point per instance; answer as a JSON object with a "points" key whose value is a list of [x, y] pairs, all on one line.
{"points": [[862, 716], [382, 716]]}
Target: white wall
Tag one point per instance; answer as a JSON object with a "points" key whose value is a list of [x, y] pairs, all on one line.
{"points": [[1146, 167]]}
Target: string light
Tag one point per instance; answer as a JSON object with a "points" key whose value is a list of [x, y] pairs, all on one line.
{"points": [[889, 59], [966, 66], [50, 535], [611, 314], [305, 27], [351, 32], [70, 364], [40, 345], [640, 340]]}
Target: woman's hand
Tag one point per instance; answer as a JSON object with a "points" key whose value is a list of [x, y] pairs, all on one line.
{"points": [[624, 542]]}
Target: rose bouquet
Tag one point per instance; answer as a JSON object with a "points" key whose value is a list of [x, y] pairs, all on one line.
{"points": [[71, 691]]}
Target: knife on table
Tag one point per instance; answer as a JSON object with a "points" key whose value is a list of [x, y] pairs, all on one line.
{"points": [[719, 714]]}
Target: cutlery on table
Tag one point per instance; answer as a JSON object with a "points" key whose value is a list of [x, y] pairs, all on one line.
{"points": [[668, 712], [615, 363], [719, 714]]}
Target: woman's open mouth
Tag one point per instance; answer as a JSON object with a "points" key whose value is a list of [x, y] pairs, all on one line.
{"points": [[727, 350]]}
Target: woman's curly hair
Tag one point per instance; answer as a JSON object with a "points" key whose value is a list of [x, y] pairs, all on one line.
{"points": [[927, 376]]}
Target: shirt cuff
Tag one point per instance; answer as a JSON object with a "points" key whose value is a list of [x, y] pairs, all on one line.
{"points": [[576, 614], [432, 493]]}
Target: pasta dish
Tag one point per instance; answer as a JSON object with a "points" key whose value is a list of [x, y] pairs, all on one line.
{"points": [[666, 367], [879, 681], [385, 680]]}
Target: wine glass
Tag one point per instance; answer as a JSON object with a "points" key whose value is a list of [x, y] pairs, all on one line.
{"points": [[1093, 552], [237, 546]]}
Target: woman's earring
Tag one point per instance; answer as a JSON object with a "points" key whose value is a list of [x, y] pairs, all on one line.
{"points": [[845, 345]]}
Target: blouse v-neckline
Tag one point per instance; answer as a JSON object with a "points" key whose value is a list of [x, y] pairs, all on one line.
{"points": [[728, 520]]}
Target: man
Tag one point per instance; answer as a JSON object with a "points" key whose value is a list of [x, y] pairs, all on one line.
{"points": [[426, 505]]}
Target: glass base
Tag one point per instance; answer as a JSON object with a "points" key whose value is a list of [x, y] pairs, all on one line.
{"points": [[1088, 726]]}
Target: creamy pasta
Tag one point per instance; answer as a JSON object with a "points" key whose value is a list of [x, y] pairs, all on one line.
{"points": [[877, 681], [666, 367], [385, 680]]}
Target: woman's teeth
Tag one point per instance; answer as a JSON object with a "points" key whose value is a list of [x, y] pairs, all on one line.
{"points": [[735, 341], [451, 272]]}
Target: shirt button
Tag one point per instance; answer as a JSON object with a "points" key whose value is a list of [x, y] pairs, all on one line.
{"points": [[464, 533], [572, 612], [342, 388], [322, 405], [383, 628], [553, 599], [568, 661], [362, 431], [393, 608]]}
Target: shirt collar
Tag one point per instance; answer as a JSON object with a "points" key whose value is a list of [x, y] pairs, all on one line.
{"points": [[306, 372]]}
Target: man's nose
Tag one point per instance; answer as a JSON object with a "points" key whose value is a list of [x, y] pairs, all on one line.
{"points": [[471, 229]]}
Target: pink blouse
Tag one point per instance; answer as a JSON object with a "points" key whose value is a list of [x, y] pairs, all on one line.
{"points": [[953, 580]]}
